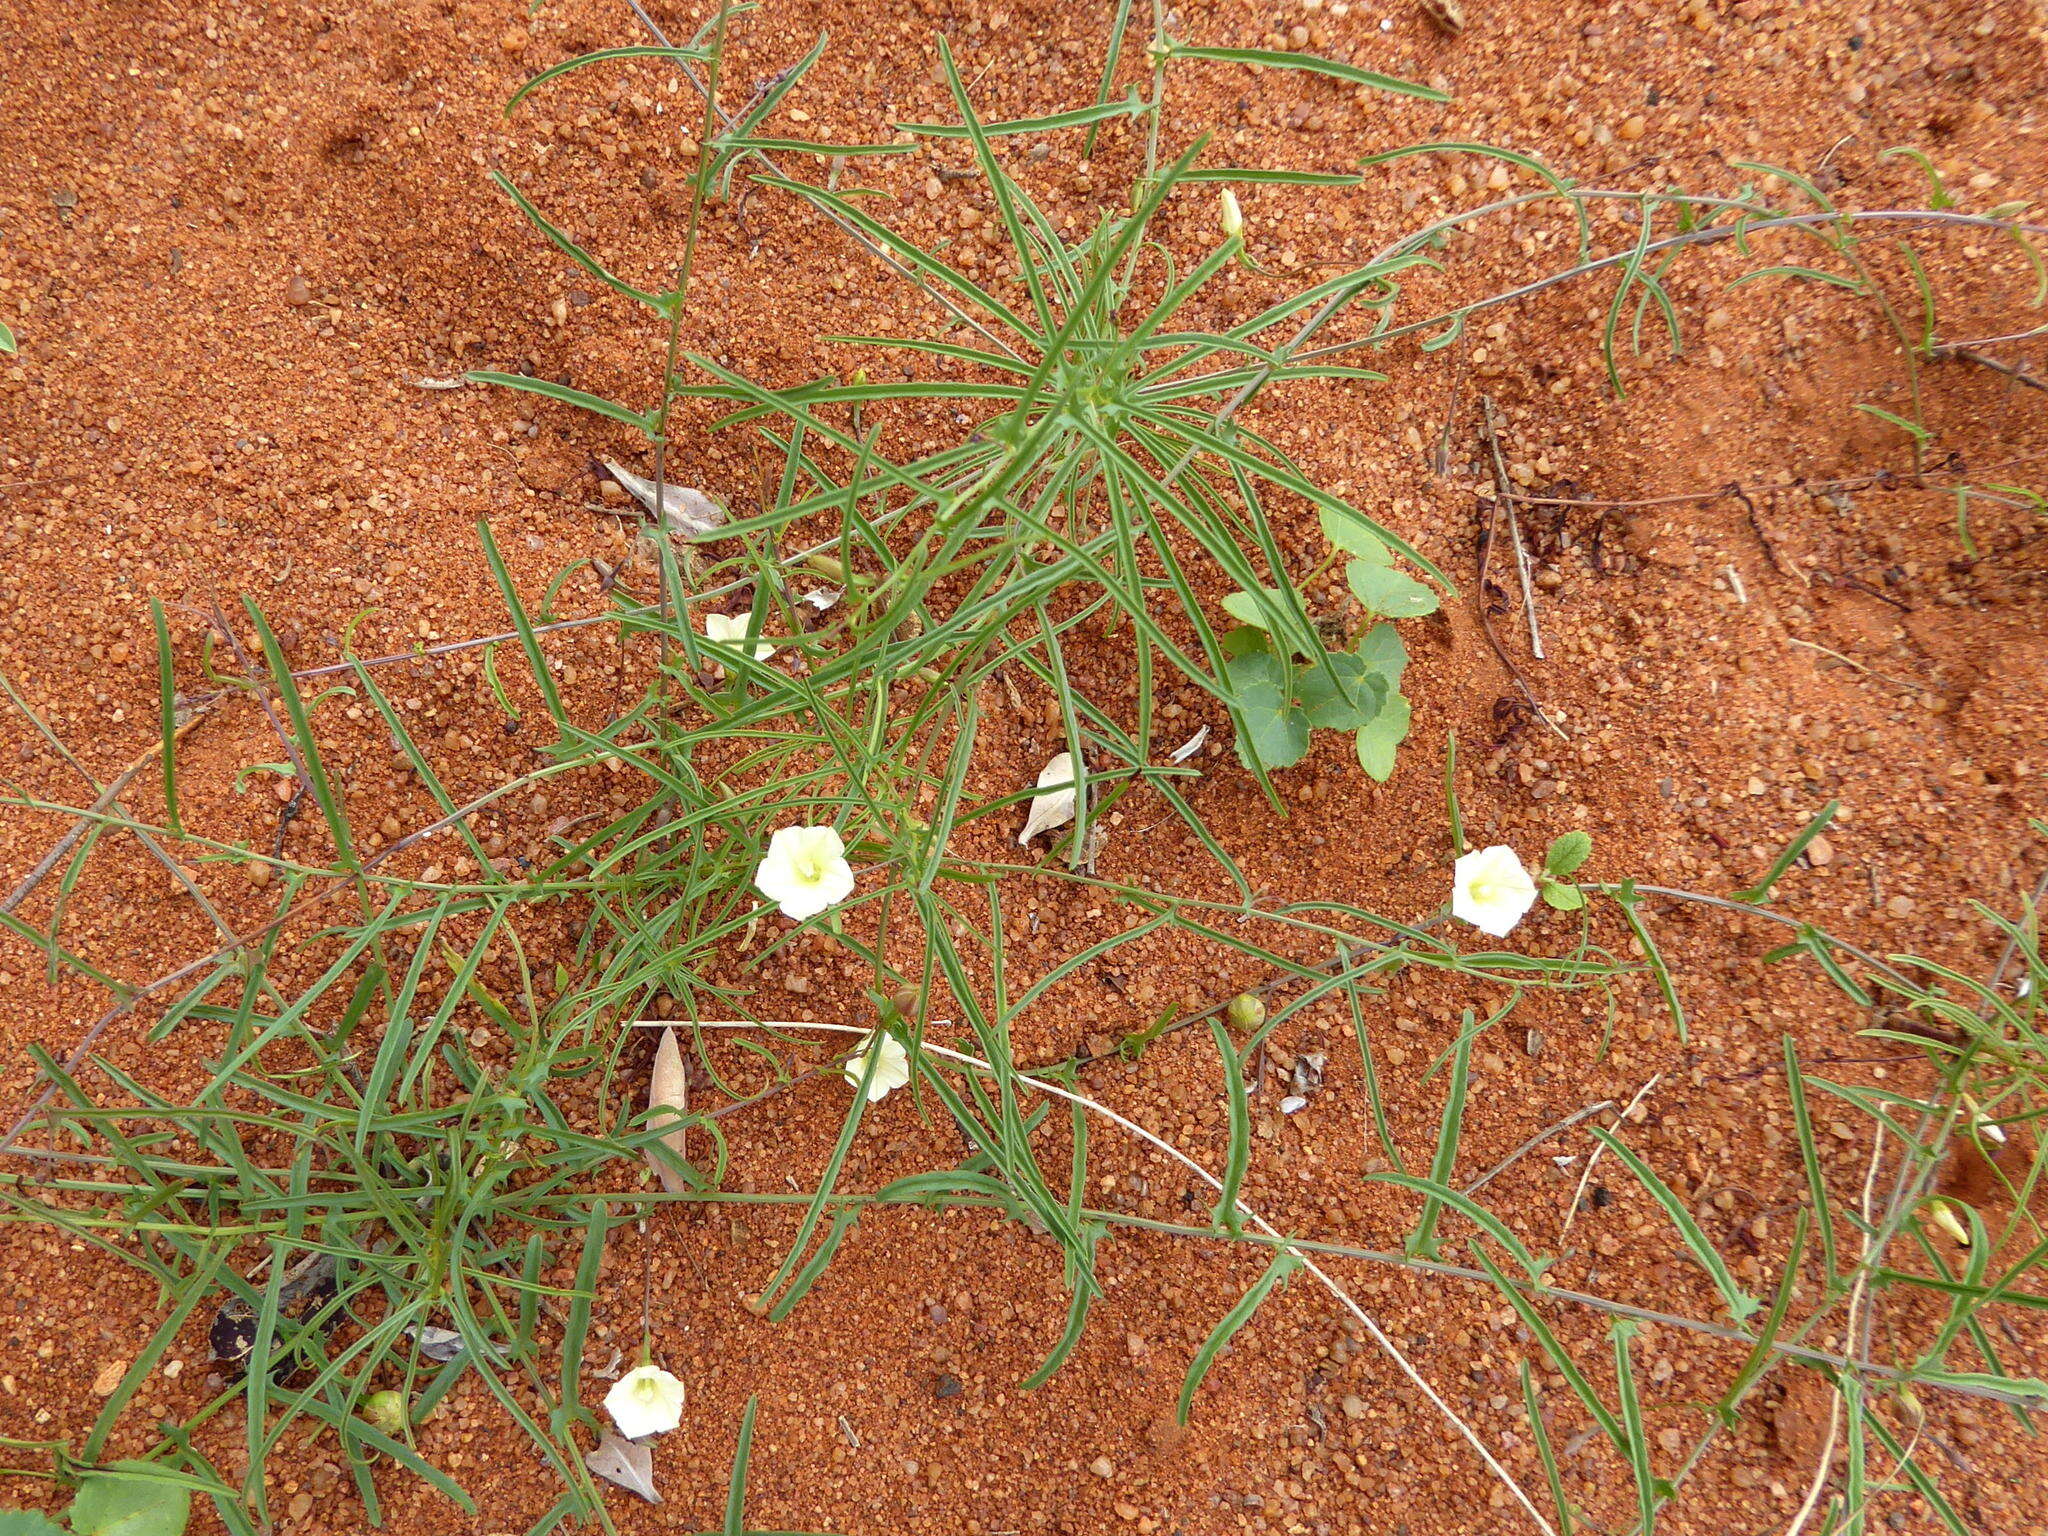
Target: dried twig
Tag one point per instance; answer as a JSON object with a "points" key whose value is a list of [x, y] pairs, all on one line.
{"points": [[2017, 372], [1500, 479], [1578, 1195], [1533, 1143], [1851, 661], [1485, 565], [107, 797], [1440, 462]]}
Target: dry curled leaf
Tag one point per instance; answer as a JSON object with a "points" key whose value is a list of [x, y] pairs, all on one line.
{"points": [[686, 511], [630, 1466], [1055, 808], [438, 1344], [1306, 1079], [1448, 14], [308, 1286], [668, 1088]]}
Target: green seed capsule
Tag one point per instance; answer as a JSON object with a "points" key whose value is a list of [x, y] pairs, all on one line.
{"points": [[385, 1411], [1246, 1012]]}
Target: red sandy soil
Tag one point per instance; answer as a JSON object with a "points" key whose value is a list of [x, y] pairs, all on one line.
{"points": [[233, 240]]}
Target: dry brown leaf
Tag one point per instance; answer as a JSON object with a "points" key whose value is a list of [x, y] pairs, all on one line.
{"points": [[1448, 14], [686, 510], [669, 1088], [630, 1466], [1055, 809]]}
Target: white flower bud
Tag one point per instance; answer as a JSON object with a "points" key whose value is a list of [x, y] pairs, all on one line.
{"points": [[1232, 216]]}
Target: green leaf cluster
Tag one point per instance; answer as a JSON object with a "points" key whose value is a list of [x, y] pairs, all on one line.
{"points": [[1281, 691]]}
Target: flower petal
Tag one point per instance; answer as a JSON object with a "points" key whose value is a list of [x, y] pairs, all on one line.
{"points": [[891, 1072], [1491, 890], [645, 1401]]}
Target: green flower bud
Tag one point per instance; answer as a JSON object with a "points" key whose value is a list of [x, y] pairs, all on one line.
{"points": [[1246, 1012]]}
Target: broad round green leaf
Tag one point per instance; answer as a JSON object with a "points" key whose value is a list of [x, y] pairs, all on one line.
{"points": [[1380, 648], [1566, 854], [1246, 608], [1340, 693], [1389, 592], [1378, 740], [1349, 533], [1272, 727], [130, 1498]]}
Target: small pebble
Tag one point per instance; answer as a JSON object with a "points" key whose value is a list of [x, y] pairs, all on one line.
{"points": [[297, 292]]}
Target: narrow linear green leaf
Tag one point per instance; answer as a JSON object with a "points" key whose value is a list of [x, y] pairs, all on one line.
{"points": [[167, 715], [1810, 274], [812, 147], [1922, 1483], [1472, 1211], [1628, 900], [1308, 63], [602, 56], [1761, 891], [1774, 1322], [569, 248], [1740, 1303], [736, 1490], [1912, 429], [1284, 1264], [1540, 1433], [1130, 106], [842, 1223], [1077, 1318], [1444, 1164], [1238, 1102], [1636, 1442], [566, 395], [1560, 1357], [1809, 1156], [1282, 178]]}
